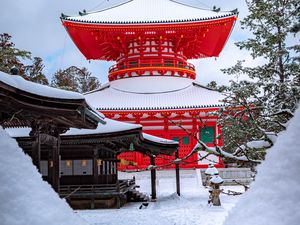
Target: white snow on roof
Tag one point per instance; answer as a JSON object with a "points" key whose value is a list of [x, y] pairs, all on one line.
{"points": [[154, 11], [145, 85], [111, 126], [141, 93], [158, 139], [37, 89], [25, 197], [274, 196]]}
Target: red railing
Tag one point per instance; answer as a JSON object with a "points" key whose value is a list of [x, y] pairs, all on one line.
{"points": [[151, 63], [162, 65]]}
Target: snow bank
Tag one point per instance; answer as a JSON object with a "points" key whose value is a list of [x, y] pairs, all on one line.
{"points": [[24, 197], [274, 196]]}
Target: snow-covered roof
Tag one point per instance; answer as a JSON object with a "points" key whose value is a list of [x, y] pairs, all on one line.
{"points": [[111, 126], [38, 89], [150, 11], [155, 92], [158, 139]]}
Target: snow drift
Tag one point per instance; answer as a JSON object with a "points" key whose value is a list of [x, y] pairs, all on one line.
{"points": [[274, 196], [24, 197]]}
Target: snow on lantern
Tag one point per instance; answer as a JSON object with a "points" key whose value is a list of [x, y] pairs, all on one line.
{"points": [[214, 197], [209, 172]]}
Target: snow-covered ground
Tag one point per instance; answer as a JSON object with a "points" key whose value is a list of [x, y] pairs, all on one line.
{"points": [[274, 196], [169, 209], [24, 197]]}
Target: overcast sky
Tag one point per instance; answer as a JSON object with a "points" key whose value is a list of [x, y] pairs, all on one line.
{"points": [[35, 26]]}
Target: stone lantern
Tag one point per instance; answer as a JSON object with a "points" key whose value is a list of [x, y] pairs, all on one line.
{"points": [[215, 190], [209, 173]]}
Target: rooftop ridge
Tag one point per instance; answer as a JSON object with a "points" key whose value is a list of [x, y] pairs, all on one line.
{"points": [[91, 17], [114, 6]]}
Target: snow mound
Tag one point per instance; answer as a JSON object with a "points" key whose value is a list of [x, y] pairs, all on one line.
{"points": [[274, 196], [24, 197]]}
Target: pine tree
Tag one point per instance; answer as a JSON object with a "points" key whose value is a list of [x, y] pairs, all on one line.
{"points": [[35, 73], [11, 56], [75, 79], [214, 86], [86, 81], [63, 79], [257, 110]]}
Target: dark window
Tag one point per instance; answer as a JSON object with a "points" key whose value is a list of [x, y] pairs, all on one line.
{"points": [[207, 134]]}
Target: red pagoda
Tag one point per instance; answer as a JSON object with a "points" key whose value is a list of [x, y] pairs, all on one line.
{"points": [[152, 83]]}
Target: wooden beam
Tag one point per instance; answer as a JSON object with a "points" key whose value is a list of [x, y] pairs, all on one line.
{"points": [[54, 165], [36, 152], [95, 165], [177, 174], [153, 179]]}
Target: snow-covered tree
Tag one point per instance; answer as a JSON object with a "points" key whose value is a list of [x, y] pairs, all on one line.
{"points": [[261, 107], [87, 81], [11, 56], [214, 86], [35, 73], [75, 79]]}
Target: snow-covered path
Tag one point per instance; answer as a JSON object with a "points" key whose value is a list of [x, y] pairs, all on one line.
{"points": [[169, 209]]}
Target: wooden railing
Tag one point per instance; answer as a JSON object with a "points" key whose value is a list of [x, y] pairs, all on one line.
{"points": [[67, 191]]}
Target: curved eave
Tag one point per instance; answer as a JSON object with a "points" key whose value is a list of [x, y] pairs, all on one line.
{"points": [[154, 22], [162, 108], [134, 131], [211, 33]]}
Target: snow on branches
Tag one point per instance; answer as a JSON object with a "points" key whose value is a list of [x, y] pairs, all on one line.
{"points": [[259, 108]]}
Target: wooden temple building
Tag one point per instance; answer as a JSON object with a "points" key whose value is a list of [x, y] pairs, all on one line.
{"points": [[49, 112], [152, 82], [75, 148]]}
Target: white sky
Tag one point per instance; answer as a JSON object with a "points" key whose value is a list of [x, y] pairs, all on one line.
{"points": [[35, 26]]}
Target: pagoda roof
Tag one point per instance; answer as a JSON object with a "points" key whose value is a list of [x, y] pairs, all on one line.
{"points": [[154, 93], [149, 11]]}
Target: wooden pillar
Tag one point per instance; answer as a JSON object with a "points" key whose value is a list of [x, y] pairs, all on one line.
{"points": [[36, 152], [54, 165], [177, 174], [153, 179], [95, 166], [118, 197], [92, 203]]}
